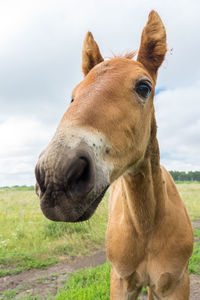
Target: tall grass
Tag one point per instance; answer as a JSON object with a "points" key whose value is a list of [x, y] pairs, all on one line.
{"points": [[28, 239]]}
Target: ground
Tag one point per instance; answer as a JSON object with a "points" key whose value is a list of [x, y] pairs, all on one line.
{"points": [[47, 282]]}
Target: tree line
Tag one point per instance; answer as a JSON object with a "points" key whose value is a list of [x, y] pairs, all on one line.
{"points": [[185, 176]]}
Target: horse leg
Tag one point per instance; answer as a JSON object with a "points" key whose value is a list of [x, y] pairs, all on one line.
{"points": [[150, 294], [182, 291], [120, 288]]}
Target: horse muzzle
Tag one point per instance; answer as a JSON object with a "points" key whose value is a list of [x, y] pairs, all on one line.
{"points": [[69, 183]]}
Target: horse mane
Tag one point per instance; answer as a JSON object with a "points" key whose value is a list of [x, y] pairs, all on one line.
{"points": [[128, 55]]}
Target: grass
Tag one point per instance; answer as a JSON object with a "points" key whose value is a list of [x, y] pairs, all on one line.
{"points": [[30, 297], [83, 286], [22, 263], [190, 194], [194, 265], [29, 240], [187, 182], [18, 188], [87, 285], [94, 283], [9, 294], [196, 232]]}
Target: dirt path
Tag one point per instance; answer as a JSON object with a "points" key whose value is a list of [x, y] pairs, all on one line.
{"points": [[47, 281]]}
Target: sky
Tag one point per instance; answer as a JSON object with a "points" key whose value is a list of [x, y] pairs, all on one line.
{"points": [[40, 63]]}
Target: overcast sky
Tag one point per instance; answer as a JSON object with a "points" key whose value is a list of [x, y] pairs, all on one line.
{"points": [[40, 63]]}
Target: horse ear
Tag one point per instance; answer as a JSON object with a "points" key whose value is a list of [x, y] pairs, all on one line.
{"points": [[91, 55], [153, 45]]}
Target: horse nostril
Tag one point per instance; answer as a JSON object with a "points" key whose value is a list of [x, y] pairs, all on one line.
{"points": [[78, 177], [40, 177]]}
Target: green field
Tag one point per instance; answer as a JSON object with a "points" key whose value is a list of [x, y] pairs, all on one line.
{"points": [[28, 239], [190, 193]]}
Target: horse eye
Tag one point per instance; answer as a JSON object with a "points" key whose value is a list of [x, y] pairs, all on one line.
{"points": [[143, 89], [72, 100]]}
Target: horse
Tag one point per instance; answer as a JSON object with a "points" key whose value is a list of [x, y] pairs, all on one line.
{"points": [[107, 138]]}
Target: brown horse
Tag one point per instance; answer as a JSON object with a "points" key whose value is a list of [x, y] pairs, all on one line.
{"points": [[108, 136]]}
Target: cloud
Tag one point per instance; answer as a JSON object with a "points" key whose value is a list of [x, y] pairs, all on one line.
{"points": [[179, 126], [21, 143], [40, 63]]}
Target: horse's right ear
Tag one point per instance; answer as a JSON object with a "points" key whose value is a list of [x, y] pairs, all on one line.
{"points": [[91, 55]]}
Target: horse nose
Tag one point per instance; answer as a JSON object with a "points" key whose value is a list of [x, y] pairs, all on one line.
{"points": [[79, 176], [73, 172]]}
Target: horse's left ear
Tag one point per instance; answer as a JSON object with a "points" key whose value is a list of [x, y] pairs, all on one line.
{"points": [[91, 55], [153, 44]]}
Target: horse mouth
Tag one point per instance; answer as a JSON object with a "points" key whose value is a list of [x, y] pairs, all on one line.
{"points": [[91, 209], [58, 207]]}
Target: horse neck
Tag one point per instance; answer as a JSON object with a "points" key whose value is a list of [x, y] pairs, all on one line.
{"points": [[145, 192]]}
